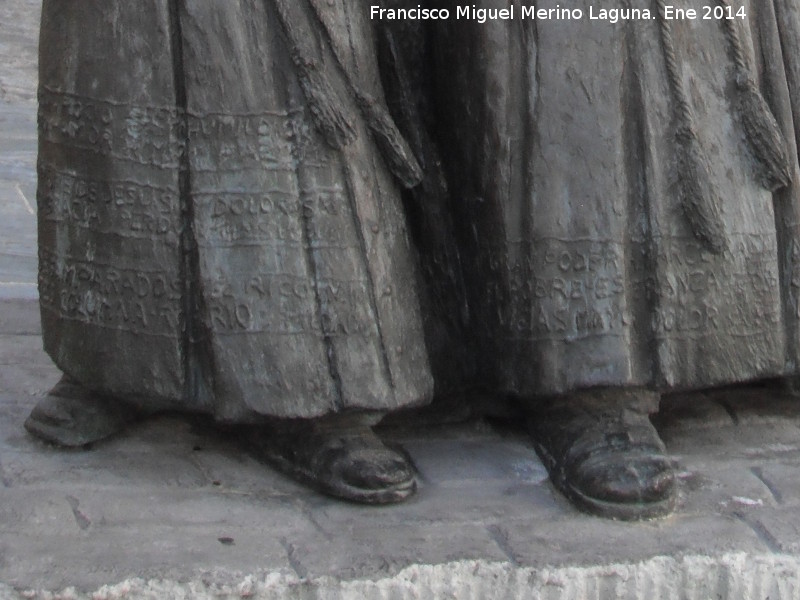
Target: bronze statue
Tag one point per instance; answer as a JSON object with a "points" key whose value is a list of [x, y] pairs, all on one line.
{"points": [[628, 212], [602, 209], [220, 231]]}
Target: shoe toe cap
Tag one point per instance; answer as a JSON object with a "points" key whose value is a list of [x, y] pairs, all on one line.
{"points": [[626, 478], [376, 469]]}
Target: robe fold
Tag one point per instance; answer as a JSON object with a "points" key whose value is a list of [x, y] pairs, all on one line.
{"points": [[201, 245], [581, 264]]}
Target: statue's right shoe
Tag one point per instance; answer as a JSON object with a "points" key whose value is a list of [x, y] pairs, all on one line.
{"points": [[603, 453], [343, 458], [72, 416]]}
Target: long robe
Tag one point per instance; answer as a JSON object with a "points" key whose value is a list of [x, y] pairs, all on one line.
{"points": [[201, 246], [581, 265]]}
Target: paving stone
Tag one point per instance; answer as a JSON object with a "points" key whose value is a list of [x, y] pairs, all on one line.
{"points": [[32, 379], [186, 456], [22, 350], [35, 512], [102, 467], [780, 527], [26, 290], [17, 271], [469, 503], [374, 551], [151, 552], [170, 432], [15, 406], [584, 540], [229, 468], [129, 507], [723, 486], [766, 440], [476, 459], [771, 441], [19, 222], [691, 410], [18, 442], [759, 404], [14, 409], [18, 40], [20, 317], [782, 477], [155, 532]]}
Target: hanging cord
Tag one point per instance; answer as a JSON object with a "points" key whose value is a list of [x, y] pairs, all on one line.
{"points": [[328, 112], [699, 199], [302, 28], [761, 129]]}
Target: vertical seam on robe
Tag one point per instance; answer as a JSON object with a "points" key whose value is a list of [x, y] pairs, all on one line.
{"points": [[640, 336], [311, 262], [184, 186], [528, 35], [311, 265], [353, 202], [656, 345]]}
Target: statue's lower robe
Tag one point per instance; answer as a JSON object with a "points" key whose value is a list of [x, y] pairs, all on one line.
{"points": [[201, 246], [583, 271]]}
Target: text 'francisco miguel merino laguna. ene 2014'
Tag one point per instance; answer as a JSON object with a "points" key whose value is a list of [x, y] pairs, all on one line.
{"points": [[558, 13]]}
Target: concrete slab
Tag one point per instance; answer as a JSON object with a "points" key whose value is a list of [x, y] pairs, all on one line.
{"points": [[18, 46], [782, 478], [20, 317], [779, 527]]}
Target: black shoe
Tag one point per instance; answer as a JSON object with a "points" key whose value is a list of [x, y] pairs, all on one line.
{"points": [[339, 457], [72, 416], [603, 453]]}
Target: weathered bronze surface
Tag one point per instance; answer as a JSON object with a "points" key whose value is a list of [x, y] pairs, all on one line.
{"points": [[208, 240], [244, 212], [564, 142], [220, 221], [626, 197]]}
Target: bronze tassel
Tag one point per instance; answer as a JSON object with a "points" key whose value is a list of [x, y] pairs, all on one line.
{"points": [[324, 105], [762, 132], [392, 144], [699, 199]]}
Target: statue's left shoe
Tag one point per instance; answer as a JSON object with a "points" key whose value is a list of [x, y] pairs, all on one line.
{"points": [[339, 455], [73, 416], [603, 453]]}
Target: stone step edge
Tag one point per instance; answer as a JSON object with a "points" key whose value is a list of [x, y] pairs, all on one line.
{"points": [[733, 576]]}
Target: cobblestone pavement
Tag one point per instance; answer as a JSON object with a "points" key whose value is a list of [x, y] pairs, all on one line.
{"points": [[176, 499], [18, 26], [174, 508]]}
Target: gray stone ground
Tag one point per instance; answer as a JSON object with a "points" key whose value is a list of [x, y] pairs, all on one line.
{"points": [[18, 26], [174, 509]]}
